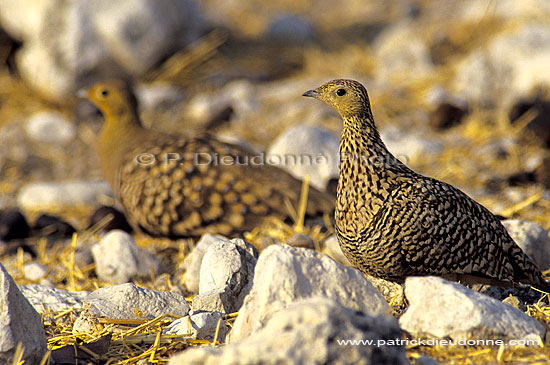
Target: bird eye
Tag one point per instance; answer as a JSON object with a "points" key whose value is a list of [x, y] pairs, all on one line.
{"points": [[104, 93], [340, 92]]}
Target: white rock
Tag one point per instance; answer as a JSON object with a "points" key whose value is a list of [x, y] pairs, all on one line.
{"points": [[437, 94], [309, 332], [67, 44], [192, 263], [476, 10], [227, 268], [200, 326], [44, 195], [119, 301], [286, 274], [241, 95], [306, 150], [138, 33], [127, 301], [223, 261], [19, 322], [44, 298], [214, 301], [444, 309], [533, 240], [23, 18], [392, 292], [301, 240], [248, 19], [50, 127], [488, 74], [157, 95], [35, 271], [407, 146], [59, 58], [403, 54], [118, 260], [47, 283], [332, 248], [290, 28]]}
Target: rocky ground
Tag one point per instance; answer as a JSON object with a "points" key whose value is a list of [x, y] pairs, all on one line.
{"points": [[460, 92]]}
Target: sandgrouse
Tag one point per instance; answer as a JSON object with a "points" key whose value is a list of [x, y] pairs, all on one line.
{"points": [[174, 186], [392, 222]]}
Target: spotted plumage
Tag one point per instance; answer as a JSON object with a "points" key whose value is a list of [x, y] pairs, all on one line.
{"points": [[173, 186], [392, 222]]}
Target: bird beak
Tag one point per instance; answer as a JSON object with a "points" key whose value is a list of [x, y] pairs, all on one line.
{"points": [[312, 94]]}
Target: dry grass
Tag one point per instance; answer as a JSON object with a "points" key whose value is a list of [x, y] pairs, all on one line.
{"points": [[460, 163], [119, 341], [115, 341]]}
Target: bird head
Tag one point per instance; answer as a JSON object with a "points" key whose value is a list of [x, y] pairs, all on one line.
{"points": [[113, 98], [348, 97]]}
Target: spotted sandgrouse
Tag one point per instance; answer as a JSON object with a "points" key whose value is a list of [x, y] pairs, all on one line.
{"points": [[392, 222], [174, 186]]}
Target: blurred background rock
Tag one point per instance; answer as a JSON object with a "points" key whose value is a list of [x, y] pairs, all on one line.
{"points": [[460, 89]]}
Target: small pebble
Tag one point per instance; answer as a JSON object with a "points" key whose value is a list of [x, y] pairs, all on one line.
{"points": [[532, 239], [306, 150], [409, 146], [200, 325], [35, 271], [118, 260], [226, 273], [48, 195], [267, 241], [332, 248], [158, 95], [20, 324], [50, 127], [290, 28], [193, 261], [301, 240]]}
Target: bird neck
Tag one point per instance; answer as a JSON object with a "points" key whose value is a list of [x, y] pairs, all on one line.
{"points": [[120, 132], [366, 171], [362, 150]]}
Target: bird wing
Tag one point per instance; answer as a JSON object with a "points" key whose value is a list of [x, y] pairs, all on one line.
{"points": [[443, 231], [199, 185]]}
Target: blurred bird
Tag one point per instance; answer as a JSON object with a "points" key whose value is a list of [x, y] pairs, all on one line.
{"points": [[174, 186], [392, 222]]}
